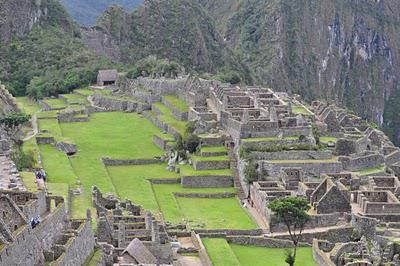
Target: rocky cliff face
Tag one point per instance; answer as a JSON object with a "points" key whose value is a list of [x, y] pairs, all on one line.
{"points": [[7, 102], [18, 17], [338, 50]]}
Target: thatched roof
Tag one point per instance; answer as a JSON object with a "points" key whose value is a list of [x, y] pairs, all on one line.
{"points": [[107, 75], [139, 252]]}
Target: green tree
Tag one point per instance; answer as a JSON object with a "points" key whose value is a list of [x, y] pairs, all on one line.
{"points": [[250, 174], [14, 119], [292, 211]]}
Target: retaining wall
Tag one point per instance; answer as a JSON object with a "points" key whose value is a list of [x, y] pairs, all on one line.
{"points": [[112, 162], [206, 181], [210, 165]]}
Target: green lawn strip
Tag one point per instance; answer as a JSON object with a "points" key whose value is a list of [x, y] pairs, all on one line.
{"points": [[165, 136], [88, 92], [52, 126], [220, 252], [94, 259], [298, 109], [168, 204], [131, 182], [187, 170], [74, 98], [121, 98], [80, 204], [58, 189], [167, 117], [260, 256], [29, 180], [223, 213], [269, 139], [57, 165], [178, 103], [28, 106], [47, 114], [212, 158], [31, 147], [327, 139], [56, 103], [372, 170], [214, 149]]}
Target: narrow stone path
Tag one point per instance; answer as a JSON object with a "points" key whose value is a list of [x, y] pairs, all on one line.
{"points": [[186, 242], [35, 130]]}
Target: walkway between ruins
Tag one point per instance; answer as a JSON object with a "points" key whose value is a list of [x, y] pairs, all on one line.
{"points": [[183, 260], [258, 218], [307, 231], [35, 130]]}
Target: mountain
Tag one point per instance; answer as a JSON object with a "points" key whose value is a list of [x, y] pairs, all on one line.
{"points": [[41, 52], [85, 12], [338, 50], [179, 30]]}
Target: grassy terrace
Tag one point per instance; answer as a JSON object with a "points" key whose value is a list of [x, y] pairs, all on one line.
{"points": [[88, 92], [172, 210], [222, 253], [56, 103], [269, 139], [372, 170], [29, 180], [327, 139], [211, 158], [74, 98], [178, 103], [299, 109], [214, 149], [27, 105], [166, 117], [163, 136]]}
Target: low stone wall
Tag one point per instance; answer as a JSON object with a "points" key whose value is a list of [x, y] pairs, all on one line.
{"points": [[112, 162], [311, 168], [165, 181], [361, 162], [292, 155], [121, 105], [161, 125], [210, 165], [392, 158], [211, 153], [203, 255], [205, 195], [320, 220], [206, 181], [260, 241], [176, 113], [337, 235], [283, 142], [319, 256], [79, 248], [161, 143], [45, 140]]}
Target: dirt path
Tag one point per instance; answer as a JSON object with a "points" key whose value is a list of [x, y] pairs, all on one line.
{"points": [[35, 129]]}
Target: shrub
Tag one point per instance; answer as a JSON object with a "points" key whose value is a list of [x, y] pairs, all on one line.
{"points": [[22, 160]]}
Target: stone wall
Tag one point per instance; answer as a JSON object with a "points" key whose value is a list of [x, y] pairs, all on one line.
{"points": [[162, 143], [79, 248], [114, 104], [341, 234], [361, 162], [310, 168], [320, 257], [292, 155], [260, 241], [176, 113], [112, 162], [205, 195], [203, 255], [206, 181], [45, 140], [210, 165]]}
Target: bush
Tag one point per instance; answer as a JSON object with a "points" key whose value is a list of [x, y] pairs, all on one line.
{"points": [[22, 160], [190, 127], [14, 119], [151, 66], [230, 76], [192, 142]]}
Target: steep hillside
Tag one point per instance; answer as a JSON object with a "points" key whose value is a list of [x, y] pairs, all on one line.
{"points": [[340, 50], [180, 30], [41, 52], [85, 12]]}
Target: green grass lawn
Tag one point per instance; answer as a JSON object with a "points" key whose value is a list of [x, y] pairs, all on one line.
{"points": [[168, 204], [56, 103], [48, 114], [52, 126], [187, 170], [269, 139], [131, 182], [28, 106], [59, 189], [74, 98], [57, 165], [29, 180], [220, 252], [372, 170], [215, 213], [178, 103], [298, 109], [167, 117], [214, 149], [88, 92], [211, 158], [260, 256], [332, 160], [115, 135], [327, 139]]}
